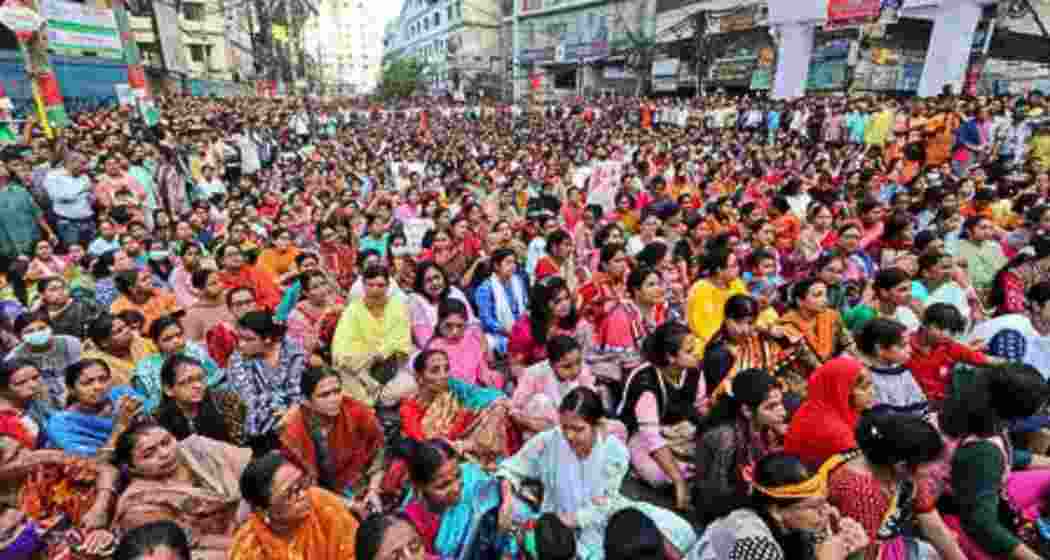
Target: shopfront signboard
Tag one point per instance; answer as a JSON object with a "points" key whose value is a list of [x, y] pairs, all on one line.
{"points": [[850, 13], [77, 29]]}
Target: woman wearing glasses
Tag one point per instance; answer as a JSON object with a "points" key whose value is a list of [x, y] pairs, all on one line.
{"points": [[193, 482], [292, 517]]}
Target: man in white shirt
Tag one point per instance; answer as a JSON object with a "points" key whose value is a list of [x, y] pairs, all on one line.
{"points": [[72, 196]]}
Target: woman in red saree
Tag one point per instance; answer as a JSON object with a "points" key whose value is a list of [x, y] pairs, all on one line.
{"points": [[335, 439]]}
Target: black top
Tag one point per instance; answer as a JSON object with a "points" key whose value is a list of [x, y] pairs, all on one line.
{"points": [[675, 404]]}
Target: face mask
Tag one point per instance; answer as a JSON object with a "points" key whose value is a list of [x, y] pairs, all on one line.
{"points": [[38, 338]]}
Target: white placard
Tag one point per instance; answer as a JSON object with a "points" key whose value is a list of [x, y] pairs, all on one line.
{"points": [[415, 230], [605, 182]]}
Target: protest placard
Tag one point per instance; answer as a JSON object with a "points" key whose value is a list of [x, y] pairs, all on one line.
{"points": [[605, 182]]}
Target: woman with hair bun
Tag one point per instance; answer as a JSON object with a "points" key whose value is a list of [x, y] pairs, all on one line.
{"points": [[581, 467], [878, 487]]}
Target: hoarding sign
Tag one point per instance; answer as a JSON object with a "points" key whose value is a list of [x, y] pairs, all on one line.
{"points": [[848, 13], [77, 29]]}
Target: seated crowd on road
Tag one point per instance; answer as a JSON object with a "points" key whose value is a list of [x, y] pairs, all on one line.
{"points": [[713, 329]]}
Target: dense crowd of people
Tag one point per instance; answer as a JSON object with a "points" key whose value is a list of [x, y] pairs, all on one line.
{"points": [[723, 328]]}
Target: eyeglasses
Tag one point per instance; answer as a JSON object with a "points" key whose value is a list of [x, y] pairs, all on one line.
{"points": [[296, 489]]}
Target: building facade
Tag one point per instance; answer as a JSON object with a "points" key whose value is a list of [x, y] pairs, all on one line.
{"points": [[458, 39], [205, 40], [345, 42]]}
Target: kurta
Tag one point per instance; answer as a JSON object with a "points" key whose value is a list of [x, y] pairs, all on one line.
{"points": [[588, 488], [329, 531]]}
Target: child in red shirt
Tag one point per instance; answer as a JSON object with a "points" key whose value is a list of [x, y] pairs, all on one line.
{"points": [[934, 353]]}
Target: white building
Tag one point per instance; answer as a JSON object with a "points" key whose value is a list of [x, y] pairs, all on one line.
{"points": [[345, 40], [452, 36]]}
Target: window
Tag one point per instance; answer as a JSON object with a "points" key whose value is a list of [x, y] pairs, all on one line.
{"points": [[193, 11], [448, 14], [437, 19], [459, 11], [199, 53]]}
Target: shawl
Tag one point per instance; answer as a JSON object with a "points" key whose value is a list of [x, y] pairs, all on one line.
{"points": [[819, 332], [824, 424], [329, 531], [352, 444], [83, 434], [504, 310], [208, 507]]}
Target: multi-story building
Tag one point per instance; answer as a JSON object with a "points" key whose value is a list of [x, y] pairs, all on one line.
{"points": [[458, 39], [345, 40], [565, 47], [206, 40]]}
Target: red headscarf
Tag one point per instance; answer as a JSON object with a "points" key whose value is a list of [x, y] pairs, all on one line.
{"points": [[824, 425]]}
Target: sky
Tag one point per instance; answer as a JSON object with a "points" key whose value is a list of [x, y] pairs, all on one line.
{"points": [[388, 9]]}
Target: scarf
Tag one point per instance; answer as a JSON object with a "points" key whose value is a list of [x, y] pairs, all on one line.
{"points": [[340, 460], [824, 424], [504, 310], [819, 332]]}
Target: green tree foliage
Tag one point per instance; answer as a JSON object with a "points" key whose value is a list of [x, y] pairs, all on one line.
{"points": [[402, 77]]}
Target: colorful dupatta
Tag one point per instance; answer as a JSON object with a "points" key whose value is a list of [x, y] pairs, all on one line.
{"points": [[824, 424], [819, 332], [83, 434], [351, 445]]}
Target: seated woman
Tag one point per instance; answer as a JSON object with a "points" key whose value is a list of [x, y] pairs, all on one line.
{"points": [[383, 536], [877, 486], [475, 420], [317, 307], [746, 425], [372, 338], [551, 313], [501, 299], [291, 517], [544, 385], [465, 344], [111, 340], [787, 517], [137, 293], [453, 502], [336, 440], [193, 482], [821, 333], [237, 272], [99, 411], [986, 468], [431, 288], [662, 402], [708, 296], [45, 484], [581, 468], [605, 303], [166, 332], [739, 346], [141, 543], [982, 252], [839, 391], [266, 371], [190, 407]]}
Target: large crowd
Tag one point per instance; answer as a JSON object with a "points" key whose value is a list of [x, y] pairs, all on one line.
{"points": [[722, 328]]}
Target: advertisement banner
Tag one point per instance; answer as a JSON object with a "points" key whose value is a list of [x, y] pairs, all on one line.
{"points": [[78, 29], [665, 74], [849, 13], [567, 37]]}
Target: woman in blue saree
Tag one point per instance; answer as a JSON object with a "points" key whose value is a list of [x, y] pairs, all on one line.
{"points": [[461, 512], [98, 413]]}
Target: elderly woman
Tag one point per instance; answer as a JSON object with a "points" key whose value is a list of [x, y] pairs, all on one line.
{"points": [[291, 517], [193, 482], [372, 338]]}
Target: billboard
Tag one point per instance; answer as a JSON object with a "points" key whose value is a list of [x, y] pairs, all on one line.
{"points": [[78, 29], [567, 37]]}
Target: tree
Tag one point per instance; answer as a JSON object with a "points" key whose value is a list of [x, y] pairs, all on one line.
{"points": [[401, 77]]}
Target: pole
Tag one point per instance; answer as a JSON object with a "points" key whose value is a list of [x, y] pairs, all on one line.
{"points": [[46, 94], [136, 73]]}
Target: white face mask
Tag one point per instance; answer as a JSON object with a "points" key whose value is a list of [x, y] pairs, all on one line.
{"points": [[38, 338]]}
